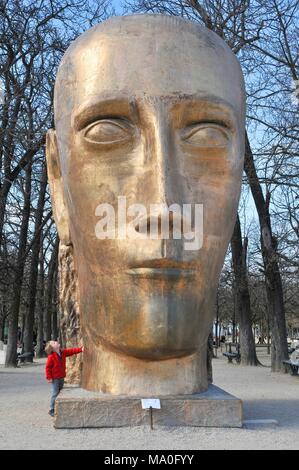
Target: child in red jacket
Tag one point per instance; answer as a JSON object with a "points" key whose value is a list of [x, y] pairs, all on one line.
{"points": [[55, 368]]}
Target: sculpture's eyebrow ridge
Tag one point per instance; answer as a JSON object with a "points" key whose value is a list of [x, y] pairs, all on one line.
{"points": [[118, 106], [207, 107], [128, 106]]}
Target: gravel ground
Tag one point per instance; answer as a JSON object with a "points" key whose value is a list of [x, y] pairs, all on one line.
{"points": [[24, 423]]}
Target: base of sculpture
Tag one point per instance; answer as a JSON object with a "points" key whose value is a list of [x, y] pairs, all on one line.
{"points": [[78, 408]]}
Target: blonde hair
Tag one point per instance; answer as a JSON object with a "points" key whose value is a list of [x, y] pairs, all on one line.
{"points": [[48, 348]]}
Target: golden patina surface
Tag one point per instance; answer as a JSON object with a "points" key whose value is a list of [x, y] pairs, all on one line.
{"points": [[151, 108]]}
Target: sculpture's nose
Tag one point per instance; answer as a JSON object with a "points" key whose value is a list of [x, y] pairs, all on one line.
{"points": [[163, 219], [162, 159]]}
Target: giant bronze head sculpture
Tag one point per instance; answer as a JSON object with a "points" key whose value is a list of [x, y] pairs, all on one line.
{"points": [[149, 111]]}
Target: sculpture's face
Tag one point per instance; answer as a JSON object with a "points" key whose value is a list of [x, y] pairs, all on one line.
{"points": [[157, 119]]}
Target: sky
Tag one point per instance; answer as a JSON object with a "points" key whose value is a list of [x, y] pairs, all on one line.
{"points": [[117, 6]]}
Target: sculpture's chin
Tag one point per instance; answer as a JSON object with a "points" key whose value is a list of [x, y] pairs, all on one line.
{"points": [[149, 325], [149, 354]]}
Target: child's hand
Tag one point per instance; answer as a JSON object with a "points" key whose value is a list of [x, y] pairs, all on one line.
{"points": [[83, 348]]}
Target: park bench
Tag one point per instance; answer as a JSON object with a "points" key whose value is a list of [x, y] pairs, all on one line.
{"points": [[27, 355], [232, 355], [292, 366]]}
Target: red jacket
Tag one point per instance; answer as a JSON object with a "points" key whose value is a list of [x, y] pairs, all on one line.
{"points": [[55, 366]]}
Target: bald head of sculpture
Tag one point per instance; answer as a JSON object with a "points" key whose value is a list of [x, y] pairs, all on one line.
{"points": [[150, 108]]}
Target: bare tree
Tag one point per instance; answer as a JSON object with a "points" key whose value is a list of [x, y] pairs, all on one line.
{"points": [[50, 289], [11, 353], [34, 36], [33, 275], [271, 268], [242, 296]]}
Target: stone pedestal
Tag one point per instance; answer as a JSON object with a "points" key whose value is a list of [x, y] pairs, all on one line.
{"points": [[78, 408]]}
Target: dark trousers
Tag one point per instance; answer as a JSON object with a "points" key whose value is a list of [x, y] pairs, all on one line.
{"points": [[57, 385]]}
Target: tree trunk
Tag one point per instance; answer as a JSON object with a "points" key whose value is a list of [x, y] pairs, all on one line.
{"points": [[41, 304], [217, 329], [279, 347], [210, 357], [55, 330], [11, 353], [50, 289], [3, 316], [2, 331], [242, 297], [29, 321], [3, 200]]}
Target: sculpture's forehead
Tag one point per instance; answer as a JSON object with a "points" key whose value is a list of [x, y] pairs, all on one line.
{"points": [[147, 64]]}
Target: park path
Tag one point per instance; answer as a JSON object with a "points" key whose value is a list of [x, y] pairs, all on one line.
{"points": [[24, 423]]}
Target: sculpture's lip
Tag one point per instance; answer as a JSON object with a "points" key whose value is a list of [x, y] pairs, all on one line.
{"points": [[162, 268], [158, 273], [163, 263]]}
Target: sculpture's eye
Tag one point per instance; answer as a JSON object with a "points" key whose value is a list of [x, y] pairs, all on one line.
{"points": [[206, 135], [108, 131]]}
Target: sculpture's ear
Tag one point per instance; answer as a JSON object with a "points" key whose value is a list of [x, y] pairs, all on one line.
{"points": [[60, 212]]}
